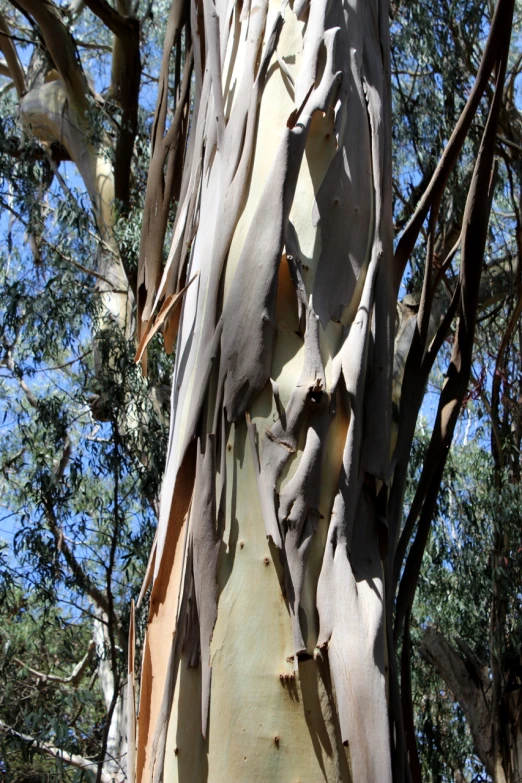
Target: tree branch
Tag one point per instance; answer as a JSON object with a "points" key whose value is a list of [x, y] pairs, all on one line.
{"points": [[117, 23], [62, 48], [125, 86], [469, 686], [9, 363], [433, 193], [474, 231], [82, 579], [57, 753], [85, 269], [74, 677], [110, 613], [14, 67]]}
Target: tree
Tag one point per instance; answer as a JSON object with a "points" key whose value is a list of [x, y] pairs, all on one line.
{"points": [[293, 419], [282, 498]]}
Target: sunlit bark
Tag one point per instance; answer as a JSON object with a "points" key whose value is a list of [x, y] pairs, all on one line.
{"points": [[270, 647], [280, 543], [267, 565]]}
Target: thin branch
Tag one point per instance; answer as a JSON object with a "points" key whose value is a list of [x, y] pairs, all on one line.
{"points": [[9, 363], [110, 613], [6, 88], [74, 677], [446, 264], [500, 23], [66, 364], [70, 195], [83, 580], [503, 140], [85, 269], [95, 46]]}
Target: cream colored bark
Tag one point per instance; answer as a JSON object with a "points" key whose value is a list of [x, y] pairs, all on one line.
{"points": [[267, 563]]}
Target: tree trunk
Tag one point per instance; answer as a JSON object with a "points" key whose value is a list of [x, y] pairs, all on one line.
{"points": [[268, 575], [470, 683]]}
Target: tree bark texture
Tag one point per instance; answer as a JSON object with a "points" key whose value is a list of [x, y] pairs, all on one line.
{"points": [[267, 605]]}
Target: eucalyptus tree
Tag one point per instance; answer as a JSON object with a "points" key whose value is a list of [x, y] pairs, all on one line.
{"points": [[282, 575]]}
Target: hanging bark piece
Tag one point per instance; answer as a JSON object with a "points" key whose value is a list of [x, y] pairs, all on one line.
{"points": [[299, 513], [166, 311], [235, 157], [205, 550], [156, 764], [296, 273], [271, 527], [344, 206], [167, 610], [354, 592], [205, 318], [291, 527], [147, 579], [280, 441], [213, 53], [184, 227], [235, 154], [350, 593], [166, 153], [191, 641]]}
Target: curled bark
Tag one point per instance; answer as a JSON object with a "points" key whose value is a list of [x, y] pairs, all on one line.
{"points": [[296, 358]]}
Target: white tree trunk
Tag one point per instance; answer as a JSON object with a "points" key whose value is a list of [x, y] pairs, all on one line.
{"points": [[116, 752]]}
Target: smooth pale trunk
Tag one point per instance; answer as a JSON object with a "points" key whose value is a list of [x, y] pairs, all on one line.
{"points": [[295, 689], [46, 113]]}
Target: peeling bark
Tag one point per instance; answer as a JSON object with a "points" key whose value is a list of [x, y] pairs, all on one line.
{"points": [[229, 340], [279, 501]]}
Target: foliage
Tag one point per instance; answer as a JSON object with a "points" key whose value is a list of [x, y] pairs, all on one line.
{"points": [[75, 476], [454, 594], [46, 639]]}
